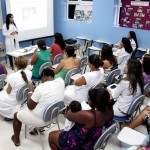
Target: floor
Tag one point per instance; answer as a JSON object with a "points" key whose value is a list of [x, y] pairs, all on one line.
{"points": [[6, 131]]}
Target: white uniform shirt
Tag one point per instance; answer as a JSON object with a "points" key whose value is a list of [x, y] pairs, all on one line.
{"points": [[47, 93], [133, 44], [123, 96], [9, 39], [122, 58]]}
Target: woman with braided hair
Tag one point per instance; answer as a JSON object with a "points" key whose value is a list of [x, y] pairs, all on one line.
{"points": [[8, 103]]}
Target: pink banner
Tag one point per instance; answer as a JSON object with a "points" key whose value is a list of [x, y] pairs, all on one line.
{"points": [[135, 14]]}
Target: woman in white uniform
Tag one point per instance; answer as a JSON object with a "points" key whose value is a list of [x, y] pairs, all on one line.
{"points": [[124, 53], [130, 86], [10, 32], [133, 40], [8, 103], [79, 91]]}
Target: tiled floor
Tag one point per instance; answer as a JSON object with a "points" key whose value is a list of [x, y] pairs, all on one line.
{"points": [[33, 142]]}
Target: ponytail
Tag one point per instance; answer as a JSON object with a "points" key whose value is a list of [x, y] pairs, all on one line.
{"points": [[24, 77]]}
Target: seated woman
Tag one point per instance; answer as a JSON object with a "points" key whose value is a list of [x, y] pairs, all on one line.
{"points": [[124, 53], [89, 124], [8, 103], [66, 64], [39, 58], [79, 91], [58, 46], [3, 69], [133, 39], [146, 68], [109, 60], [130, 86]]}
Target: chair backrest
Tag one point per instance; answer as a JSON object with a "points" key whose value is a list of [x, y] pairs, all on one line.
{"points": [[146, 88], [83, 63], [88, 43], [53, 110], [135, 105], [22, 93], [45, 65], [98, 86], [2, 80], [70, 73], [103, 139], [57, 59], [111, 76]]}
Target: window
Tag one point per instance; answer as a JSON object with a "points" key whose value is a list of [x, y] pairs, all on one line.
{"points": [[79, 10], [117, 11]]}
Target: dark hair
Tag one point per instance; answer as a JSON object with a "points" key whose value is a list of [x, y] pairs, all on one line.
{"points": [[21, 63], [70, 51], [133, 36], [134, 75], [95, 61], [75, 106], [100, 98], [146, 63], [127, 45], [59, 40], [8, 21], [47, 72], [107, 54], [41, 44]]}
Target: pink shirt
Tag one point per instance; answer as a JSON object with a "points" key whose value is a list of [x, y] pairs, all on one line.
{"points": [[55, 49]]}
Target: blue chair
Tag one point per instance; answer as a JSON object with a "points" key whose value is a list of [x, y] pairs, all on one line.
{"points": [[146, 88], [45, 65], [103, 139], [2, 81], [58, 58], [83, 64], [132, 110]]}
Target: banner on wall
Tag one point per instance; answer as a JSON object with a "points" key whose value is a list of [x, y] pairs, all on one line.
{"points": [[135, 14]]}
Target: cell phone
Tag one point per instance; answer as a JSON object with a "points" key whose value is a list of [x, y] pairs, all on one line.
{"points": [[113, 86]]}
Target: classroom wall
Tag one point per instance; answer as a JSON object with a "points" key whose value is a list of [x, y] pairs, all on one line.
{"points": [[101, 27]]}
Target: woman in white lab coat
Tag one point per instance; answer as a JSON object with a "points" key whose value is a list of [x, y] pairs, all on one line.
{"points": [[10, 32]]}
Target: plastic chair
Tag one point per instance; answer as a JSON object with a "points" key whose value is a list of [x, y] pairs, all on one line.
{"points": [[98, 86], [103, 139], [45, 65], [2, 80], [50, 115], [22, 93], [57, 59], [111, 76], [146, 88], [83, 64], [88, 43], [2, 52], [69, 74], [132, 110]]}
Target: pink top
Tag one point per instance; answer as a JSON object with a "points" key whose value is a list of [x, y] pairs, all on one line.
{"points": [[55, 49]]}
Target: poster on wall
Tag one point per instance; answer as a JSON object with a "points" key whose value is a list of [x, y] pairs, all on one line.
{"points": [[83, 13], [135, 14]]}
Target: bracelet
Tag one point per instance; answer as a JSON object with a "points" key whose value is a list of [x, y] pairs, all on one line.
{"points": [[30, 92]]}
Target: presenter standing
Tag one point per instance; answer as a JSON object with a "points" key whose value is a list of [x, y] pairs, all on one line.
{"points": [[10, 32]]}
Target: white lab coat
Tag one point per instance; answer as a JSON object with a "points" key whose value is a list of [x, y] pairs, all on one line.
{"points": [[9, 39]]}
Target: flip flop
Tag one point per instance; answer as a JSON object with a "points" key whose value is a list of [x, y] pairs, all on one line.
{"points": [[16, 144], [34, 131]]}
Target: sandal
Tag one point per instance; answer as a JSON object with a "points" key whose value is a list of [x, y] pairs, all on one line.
{"points": [[34, 131], [8, 119], [16, 144]]}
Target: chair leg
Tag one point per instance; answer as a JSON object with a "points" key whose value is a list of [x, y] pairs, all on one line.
{"points": [[25, 131], [58, 124], [40, 138]]}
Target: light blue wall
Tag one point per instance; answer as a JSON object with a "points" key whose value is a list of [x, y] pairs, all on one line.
{"points": [[101, 27]]}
